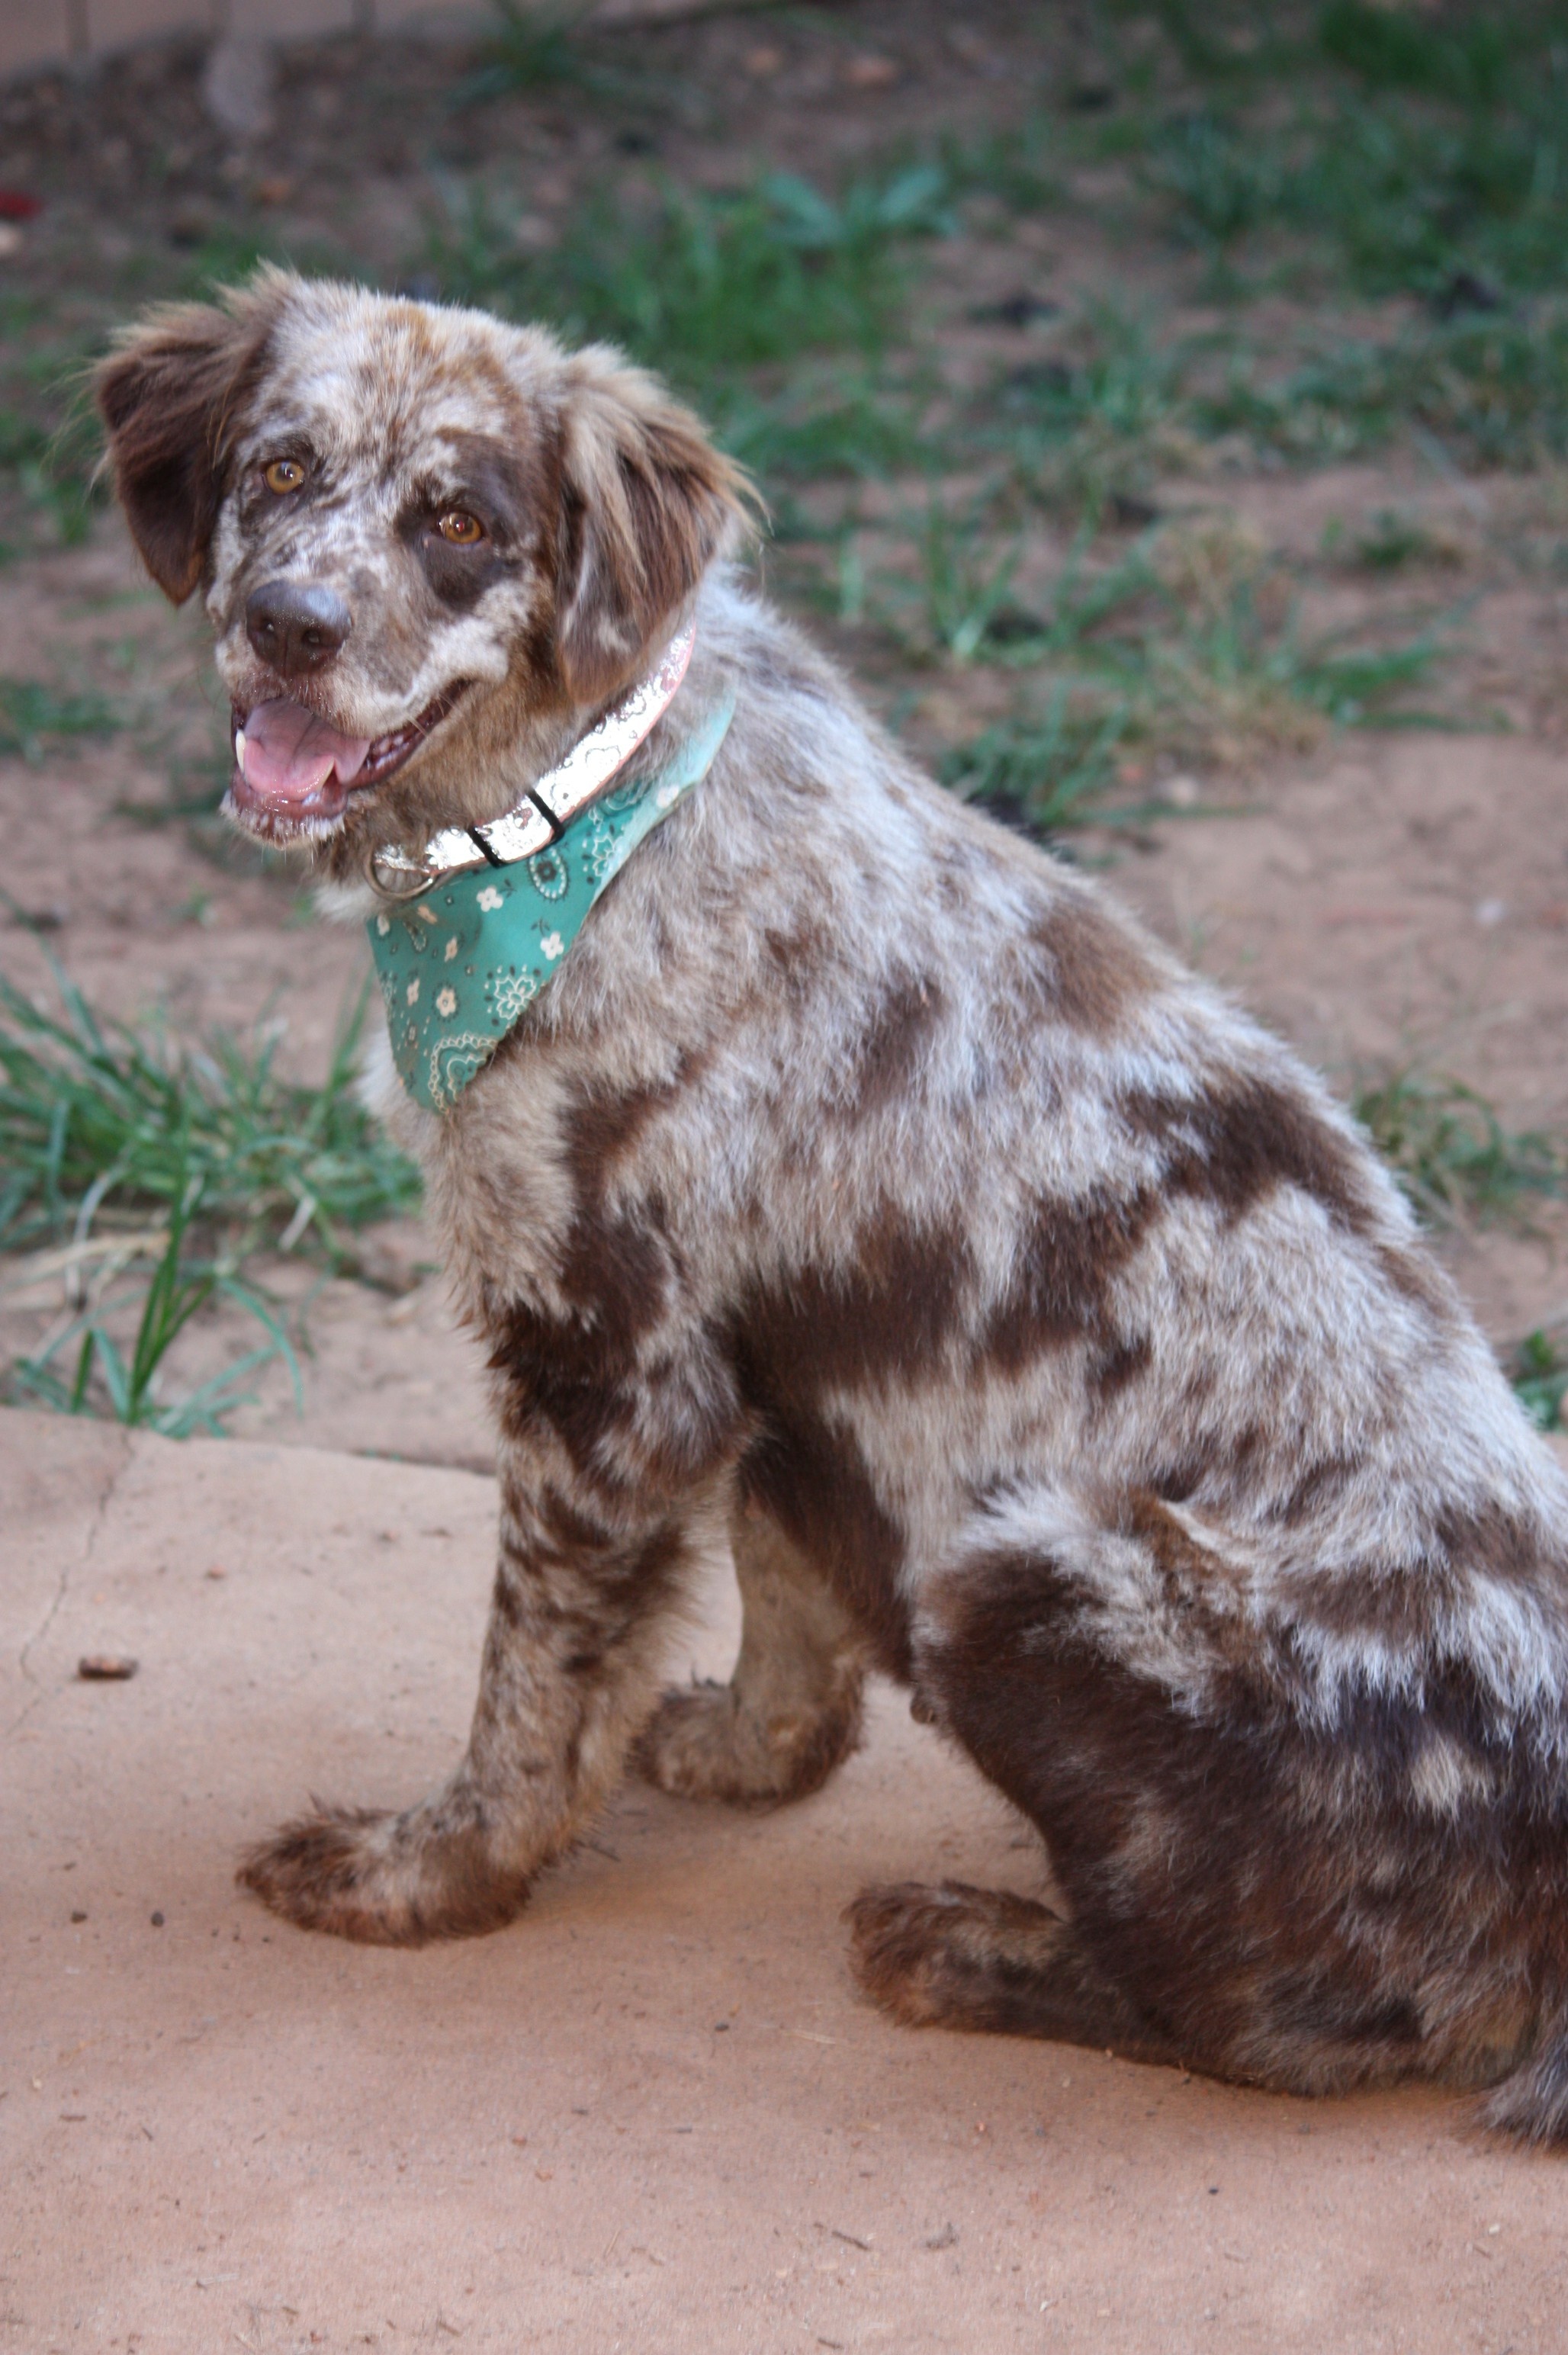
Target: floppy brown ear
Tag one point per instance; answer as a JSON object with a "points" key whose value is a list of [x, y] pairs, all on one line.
{"points": [[648, 503], [169, 398]]}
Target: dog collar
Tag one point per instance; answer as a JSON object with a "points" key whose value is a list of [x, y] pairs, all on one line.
{"points": [[458, 965], [537, 820]]}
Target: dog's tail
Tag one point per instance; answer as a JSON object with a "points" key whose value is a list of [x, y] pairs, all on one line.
{"points": [[1532, 2104]]}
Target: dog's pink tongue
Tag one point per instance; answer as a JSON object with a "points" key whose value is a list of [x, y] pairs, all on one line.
{"points": [[289, 754]]}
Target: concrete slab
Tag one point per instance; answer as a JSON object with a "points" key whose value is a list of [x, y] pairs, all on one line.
{"points": [[651, 2115]]}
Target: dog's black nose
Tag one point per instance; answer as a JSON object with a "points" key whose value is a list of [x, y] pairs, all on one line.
{"points": [[296, 626]]}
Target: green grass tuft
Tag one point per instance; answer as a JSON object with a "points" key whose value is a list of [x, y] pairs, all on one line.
{"points": [[700, 285], [99, 1124], [1540, 1377], [1451, 1153], [1044, 776], [1397, 48], [140, 1155], [33, 713], [541, 50]]}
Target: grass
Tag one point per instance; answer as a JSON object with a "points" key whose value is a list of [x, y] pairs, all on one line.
{"points": [[1452, 1154], [1494, 392], [735, 298], [48, 439], [537, 51], [1187, 644], [1108, 407], [1046, 774], [128, 1384], [133, 1152], [33, 715], [700, 285], [1099, 416], [100, 1122], [1540, 1377], [1396, 150]]}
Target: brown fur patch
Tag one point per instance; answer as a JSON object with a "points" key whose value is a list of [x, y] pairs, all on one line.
{"points": [[646, 501], [1243, 1138], [1091, 970], [170, 397], [887, 1063], [1070, 1257]]}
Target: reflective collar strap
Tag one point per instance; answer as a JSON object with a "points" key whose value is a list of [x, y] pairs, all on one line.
{"points": [[537, 819]]}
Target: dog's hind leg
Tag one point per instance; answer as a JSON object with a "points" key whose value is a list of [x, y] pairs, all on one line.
{"points": [[980, 1958], [1532, 2104], [1243, 1895], [791, 1711]]}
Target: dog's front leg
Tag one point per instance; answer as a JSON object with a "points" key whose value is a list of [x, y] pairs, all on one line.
{"points": [[578, 1633]]}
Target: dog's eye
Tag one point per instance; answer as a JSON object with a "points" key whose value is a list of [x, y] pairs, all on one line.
{"points": [[462, 530], [283, 475]]}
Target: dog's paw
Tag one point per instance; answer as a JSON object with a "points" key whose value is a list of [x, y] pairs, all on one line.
{"points": [[702, 1744], [896, 1934], [381, 1879], [964, 1958]]}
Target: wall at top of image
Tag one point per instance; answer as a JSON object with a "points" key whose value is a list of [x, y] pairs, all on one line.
{"points": [[38, 33]]}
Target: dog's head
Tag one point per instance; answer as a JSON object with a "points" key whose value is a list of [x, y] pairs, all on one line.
{"points": [[431, 545]]}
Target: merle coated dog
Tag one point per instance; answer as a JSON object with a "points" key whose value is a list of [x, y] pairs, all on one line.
{"points": [[867, 1197]]}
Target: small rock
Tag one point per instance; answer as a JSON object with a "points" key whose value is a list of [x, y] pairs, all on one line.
{"points": [[190, 226], [946, 2239], [1466, 292], [105, 1668], [237, 86], [1181, 793], [156, 1920], [1019, 310], [1491, 912], [79, 1916]]}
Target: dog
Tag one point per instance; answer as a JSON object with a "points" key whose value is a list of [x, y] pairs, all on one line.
{"points": [[867, 1200]]}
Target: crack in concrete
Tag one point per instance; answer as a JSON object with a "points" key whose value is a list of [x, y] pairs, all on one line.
{"points": [[99, 1514]]}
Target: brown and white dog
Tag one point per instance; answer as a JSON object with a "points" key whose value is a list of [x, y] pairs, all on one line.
{"points": [[868, 1196]]}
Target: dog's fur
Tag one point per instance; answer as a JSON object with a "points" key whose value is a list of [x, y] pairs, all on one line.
{"points": [[868, 1194]]}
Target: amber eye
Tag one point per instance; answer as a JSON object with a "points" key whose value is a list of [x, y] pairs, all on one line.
{"points": [[283, 475], [462, 530]]}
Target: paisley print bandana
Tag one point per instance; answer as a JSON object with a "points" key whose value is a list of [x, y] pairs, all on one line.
{"points": [[458, 965]]}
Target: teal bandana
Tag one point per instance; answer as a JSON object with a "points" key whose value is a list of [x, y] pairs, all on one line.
{"points": [[458, 965]]}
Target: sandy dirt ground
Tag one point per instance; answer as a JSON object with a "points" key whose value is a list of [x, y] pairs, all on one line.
{"points": [[652, 2115]]}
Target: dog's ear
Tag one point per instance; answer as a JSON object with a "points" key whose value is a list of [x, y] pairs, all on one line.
{"points": [[170, 396], [646, 504]]}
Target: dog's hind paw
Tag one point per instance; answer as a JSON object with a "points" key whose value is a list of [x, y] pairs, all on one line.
{"points": [[954, 1956], [383, 1879]]}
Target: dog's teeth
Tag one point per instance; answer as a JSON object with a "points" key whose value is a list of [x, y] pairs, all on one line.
{"points": [[240, 748]]}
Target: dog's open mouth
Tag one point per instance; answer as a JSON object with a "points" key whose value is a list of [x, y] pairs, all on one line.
{"points": [[294, 772]]}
